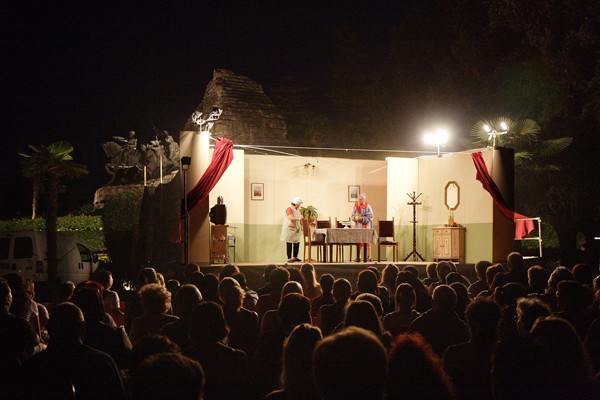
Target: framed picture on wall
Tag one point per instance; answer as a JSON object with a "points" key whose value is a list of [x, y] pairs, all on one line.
{"points": [[353, 191], [257, 191]]}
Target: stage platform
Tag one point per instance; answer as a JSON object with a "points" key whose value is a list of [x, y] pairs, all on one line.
{"points": [[254, 271]]}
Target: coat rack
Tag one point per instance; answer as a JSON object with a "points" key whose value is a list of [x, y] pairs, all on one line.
{"points": [[414, 204]]}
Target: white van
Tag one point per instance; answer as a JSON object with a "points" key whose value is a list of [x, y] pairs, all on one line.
{"points": [[25, 254]]}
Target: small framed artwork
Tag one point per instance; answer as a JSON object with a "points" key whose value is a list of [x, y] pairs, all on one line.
{"points": [[257, 191], [353, 192]]}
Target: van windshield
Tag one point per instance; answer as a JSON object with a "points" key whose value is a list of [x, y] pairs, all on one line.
{"points": [[4, 247], [23, 247]]}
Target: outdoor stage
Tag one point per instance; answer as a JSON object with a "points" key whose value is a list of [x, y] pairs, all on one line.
{"points": [[254, 271]]}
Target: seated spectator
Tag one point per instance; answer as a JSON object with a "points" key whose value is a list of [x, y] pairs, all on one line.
{"points": [[209, 287], [68, 367], [388, 278], [423, 299], [196, 278], [188, 270], [332, 315], [279, 276], [173, 286], [537, 277], [528, 311], [147, 346], [440, 326], [592, 345], [99, 333], [462, 298], [326, 297], [179, 377], [455, 277], [312, 288], [559, 274], [187, 298], [110, 298], [516, 272], [271, 319], [584, 274], [412, 269], [362, 313], [297, 374], [469, 364], [398, 321], [225, 369], [375, 302], [243, 324], [250, 297], [507, 296], [430, 270], [61, 293], [17, 342], [415, 372], [340, 363], [481, 283], [294, 310], [266, 289], [520, 371], [367, 283], [228, 271], [570, 370], [491, 272], [156, 302], [442, 269], [133, 306], [574, 303], [23, 305]]}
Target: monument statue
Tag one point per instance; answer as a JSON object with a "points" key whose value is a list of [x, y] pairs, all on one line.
{"points": [[128, 160]]}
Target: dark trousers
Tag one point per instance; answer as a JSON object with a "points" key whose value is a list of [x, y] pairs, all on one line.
{"points": [[296, 248]]}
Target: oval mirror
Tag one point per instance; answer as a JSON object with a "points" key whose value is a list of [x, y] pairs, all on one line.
{"points": [[452, 195]]}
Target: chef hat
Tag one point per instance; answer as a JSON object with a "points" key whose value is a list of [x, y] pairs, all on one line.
{"points": [[296, 200], [363, 195]]}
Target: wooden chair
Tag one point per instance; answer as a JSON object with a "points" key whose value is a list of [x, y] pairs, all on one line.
{"points": [[386, 231], [339, 254], [309, 243]]}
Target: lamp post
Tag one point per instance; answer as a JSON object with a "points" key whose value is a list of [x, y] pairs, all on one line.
{"points": [[438, 139], [492, 133], [185, 166]]}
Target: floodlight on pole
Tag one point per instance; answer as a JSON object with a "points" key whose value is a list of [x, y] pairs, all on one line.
{"points": [[185, 166], [438, 139], [492, 133]]}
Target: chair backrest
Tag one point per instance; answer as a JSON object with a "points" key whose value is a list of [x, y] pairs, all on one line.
{"points": [[386, 228], [305, 230], [325, 223], [338, 224]]}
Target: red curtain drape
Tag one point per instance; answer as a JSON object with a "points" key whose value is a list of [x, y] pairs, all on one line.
{"points": [[221, 159], [522, 228]]}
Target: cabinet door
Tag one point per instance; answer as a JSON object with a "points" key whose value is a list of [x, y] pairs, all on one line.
{"points": [[438, 245], [447, 246]]}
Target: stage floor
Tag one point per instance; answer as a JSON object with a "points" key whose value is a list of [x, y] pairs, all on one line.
{"points": [[254, 271]]}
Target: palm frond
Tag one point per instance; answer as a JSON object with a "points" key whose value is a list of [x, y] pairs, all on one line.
{"points": [[551, 147]]}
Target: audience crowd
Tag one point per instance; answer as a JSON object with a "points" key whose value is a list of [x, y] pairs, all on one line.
{"points": [[514, 333]]}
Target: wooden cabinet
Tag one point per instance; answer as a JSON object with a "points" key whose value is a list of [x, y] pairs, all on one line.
{"points": [[449, 244], [219, 244]]}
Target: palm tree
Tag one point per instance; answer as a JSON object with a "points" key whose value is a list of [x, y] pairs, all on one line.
{"points": [[47, 166]]}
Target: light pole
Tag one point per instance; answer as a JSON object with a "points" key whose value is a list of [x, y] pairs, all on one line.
{"points": [[492, 133], [438, 139], [185, 166]]}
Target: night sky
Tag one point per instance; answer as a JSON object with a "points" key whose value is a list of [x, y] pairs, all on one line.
{"points": [[84, 72]]}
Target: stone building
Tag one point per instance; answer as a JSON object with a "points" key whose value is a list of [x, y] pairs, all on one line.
{"points": [[249, 117]]}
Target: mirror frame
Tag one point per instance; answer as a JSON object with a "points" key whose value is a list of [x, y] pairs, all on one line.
{"points": [[452, 183]]}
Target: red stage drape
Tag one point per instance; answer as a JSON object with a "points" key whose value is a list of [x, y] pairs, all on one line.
{"points": [[222, 158], [522, 228]]}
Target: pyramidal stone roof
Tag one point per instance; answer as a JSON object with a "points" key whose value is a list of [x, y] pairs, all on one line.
{"points": [[249, 116]]}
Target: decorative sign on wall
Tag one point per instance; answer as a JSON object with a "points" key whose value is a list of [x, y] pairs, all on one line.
{"points": [[257, 191], [353, 191]]}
